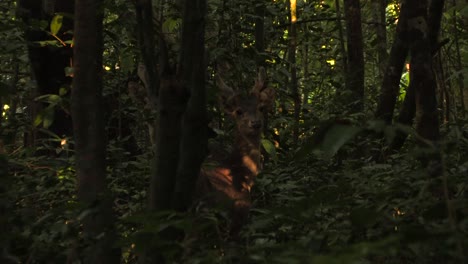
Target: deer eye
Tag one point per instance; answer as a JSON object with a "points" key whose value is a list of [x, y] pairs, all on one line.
{"points": [[239, 112]]}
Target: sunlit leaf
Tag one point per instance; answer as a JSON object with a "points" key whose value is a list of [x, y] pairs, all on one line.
{"points": [[269, 148], [56, 24]]}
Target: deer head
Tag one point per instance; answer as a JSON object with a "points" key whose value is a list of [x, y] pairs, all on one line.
{"points": [[248, 110]]}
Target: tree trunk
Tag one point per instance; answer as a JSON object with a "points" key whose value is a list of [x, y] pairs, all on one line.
{"points": [[391, 80], [341, 36], [192, 71], [355, 72], [292, 63], [171, 107], [260, 34], [379, 7], [422, 77], [459, 64], [405, 117], [89, 133], [144, 17], [427, 101]]}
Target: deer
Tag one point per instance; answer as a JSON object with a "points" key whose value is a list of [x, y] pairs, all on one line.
{"points": [[229, 182]]}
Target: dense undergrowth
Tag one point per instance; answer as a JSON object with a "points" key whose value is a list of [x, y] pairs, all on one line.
{"points": [[308, 209]]}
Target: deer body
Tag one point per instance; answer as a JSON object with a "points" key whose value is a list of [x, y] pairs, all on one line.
{"points": [[229, 182]]}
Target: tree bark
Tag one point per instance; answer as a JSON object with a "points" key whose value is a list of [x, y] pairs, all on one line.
{"points": [[171, 107], [89, 133], [144, 17], [260, 34], [379, 7], [459, 64], [391, 80], [422, 77], [355, 73], [341, 36], [425, 103], [292, 64], [192, 71]]}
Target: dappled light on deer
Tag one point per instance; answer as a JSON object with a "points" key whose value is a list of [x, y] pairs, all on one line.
{"points": [[232, 178]]}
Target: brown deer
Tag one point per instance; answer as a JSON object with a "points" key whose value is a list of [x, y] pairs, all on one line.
{"points": [[229, 182]]}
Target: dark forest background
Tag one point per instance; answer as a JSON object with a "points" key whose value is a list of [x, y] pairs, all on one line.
{"points": [[109, 109]]}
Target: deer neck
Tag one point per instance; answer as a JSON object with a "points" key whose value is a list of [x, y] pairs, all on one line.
{"points": [[245, 160]]}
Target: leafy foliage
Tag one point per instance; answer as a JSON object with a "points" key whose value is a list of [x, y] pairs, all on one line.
{"points": [[327, 199]]}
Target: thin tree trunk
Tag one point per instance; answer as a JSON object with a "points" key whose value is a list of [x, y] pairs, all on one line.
{"points": [[459, 65], [379, 7], [292, 62], [88, 129], [341, 36], [144, 16], [6, 207], [355, 71], [305, 65], [260, 34]]}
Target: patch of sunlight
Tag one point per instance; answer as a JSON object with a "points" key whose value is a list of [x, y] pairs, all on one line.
{"points": [[5, 109], [331, 62], [62, 174], [244, 45], [324, 46], [392, 9], [107, 68], [293, 11]]}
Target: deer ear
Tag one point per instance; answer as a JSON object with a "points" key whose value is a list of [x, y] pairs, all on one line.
{"points": [[267, 98]]}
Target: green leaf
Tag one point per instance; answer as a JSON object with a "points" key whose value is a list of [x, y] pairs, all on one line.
{"points": [[52, 99], [45, 43], [171, 24], [48, 117], [69, 71], [63, 91], [269, 148], [56, 24]]}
